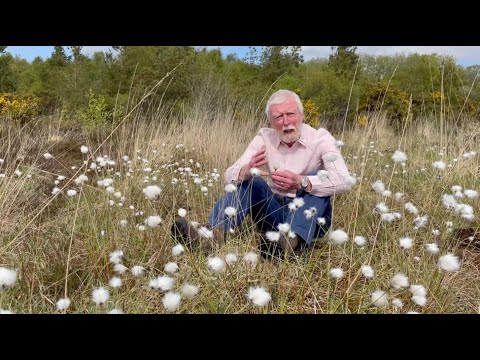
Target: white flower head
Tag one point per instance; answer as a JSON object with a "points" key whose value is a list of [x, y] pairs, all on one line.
{"points": [[419, 300], [230, 188], [399, 156], [321, 221], [449, 262], [116, 256], [397, 303], [331, 157], [137, 270], [7, 277], [171, 301], [411, 208], [367, 271], [360, 240], [418, 290], [406, 243], [338, 237], [432, 248], [259, 296], [120, 268], [100, 295], [83, 149], [440, 165], [399, 280], [255, 172], [71, 193], [230, 211], [471, 194], [251, 258], [115, 312], [336, 273], [216, 264], [421, 221], [379, 298], [152, 192], [48, 156], [115, 282], [398, 196], [350, 180], [284, 228], [189, 291], [231, 258], [322, 174], [63, 304], [171, 267], [298, 202], [378, 186], [339, 143], [178, 250], [153, 221]]}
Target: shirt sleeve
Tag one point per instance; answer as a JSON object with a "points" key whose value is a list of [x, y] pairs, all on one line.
{"points": [[231, 175], [337, 170]]}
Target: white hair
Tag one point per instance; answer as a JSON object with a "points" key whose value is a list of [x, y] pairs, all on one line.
{"points": [[281, 96]]}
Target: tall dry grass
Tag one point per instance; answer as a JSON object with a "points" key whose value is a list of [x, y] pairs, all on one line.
{"points": [[61, 245]]}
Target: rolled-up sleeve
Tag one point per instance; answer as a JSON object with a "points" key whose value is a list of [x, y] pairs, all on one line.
{"points": [[231, 175], [337, 170]]}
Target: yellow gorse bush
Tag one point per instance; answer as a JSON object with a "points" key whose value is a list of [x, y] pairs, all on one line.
{"points": [[14, 106], [311, 113]]}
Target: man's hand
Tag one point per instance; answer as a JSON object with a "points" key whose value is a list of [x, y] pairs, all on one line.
{"points": [[286, 181], [258, 159]]}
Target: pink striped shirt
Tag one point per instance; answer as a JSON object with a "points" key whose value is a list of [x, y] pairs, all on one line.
{"points": [[312, 152]]}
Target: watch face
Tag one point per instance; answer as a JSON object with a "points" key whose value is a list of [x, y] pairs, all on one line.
{"points": [[304, 183]]}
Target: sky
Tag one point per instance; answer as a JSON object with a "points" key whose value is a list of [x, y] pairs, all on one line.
{"points": [[465, 55]]}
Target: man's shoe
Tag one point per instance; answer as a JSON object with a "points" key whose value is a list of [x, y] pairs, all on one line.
{"points": [[197, 235]]}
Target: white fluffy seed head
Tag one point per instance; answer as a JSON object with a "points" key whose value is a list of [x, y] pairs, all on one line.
{"points": [[153, 221], [171, 268], [336, 273], [399, 156], [419, 300], [399, 280], [397, 303], [379, 298], [83, 149], [231, 258], [360, 240], [48, 156], [406, 243], [100, 296], [216, 264], [230, 211], [171, 301], [63, 304], [71, 193], [255, 172], [367, 271], [7, 277], [251, 258], [182, 212], [432, 248], [259, 296], [449, 262], [152, 192], [418, 290], [230, 188], [378, 186], [440, 165], [120, 268], [273, 236], [137, 270], [338, 237], [178, 250], [115, 282], [189, 291]]}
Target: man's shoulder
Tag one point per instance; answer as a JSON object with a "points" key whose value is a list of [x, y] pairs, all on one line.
{"points": [[316, 133]]}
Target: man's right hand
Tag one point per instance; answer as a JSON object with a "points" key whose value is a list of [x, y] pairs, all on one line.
{"points": [[258, 159]]}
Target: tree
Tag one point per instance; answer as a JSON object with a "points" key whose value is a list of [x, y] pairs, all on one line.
{"points": [[344, 60]]}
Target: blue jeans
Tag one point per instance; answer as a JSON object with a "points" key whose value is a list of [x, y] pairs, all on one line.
{"points": [[267, 210]]}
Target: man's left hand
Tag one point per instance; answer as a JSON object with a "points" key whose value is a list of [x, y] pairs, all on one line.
{"points": [[286, 181]]}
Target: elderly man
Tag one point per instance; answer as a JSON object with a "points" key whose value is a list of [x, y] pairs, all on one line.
{"points": [[290, 202]]}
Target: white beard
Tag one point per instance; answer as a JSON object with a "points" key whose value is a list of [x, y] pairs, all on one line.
{"points": [[289, 138]]}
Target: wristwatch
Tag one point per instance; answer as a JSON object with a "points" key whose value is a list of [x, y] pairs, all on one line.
{"points": [[304, 183]]}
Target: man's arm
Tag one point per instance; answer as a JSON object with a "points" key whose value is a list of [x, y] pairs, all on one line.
{"points": [[252, 157]]}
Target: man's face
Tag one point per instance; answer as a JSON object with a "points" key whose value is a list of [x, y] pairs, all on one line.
{"points": [[286, 119]]}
